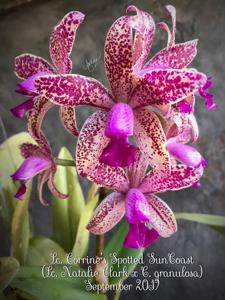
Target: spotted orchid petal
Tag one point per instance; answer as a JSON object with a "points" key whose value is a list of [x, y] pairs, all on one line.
{"points": [[163, 86], [91, 142], [144, 27], [180, 177], [20, 110], [137, 208], [42, 179], [71, 90], [186, 154], [140, 236], [162, 218], [27, 150], [109, 212], [138, 169], [62, 39], [35, 118], [68, 118], [194, 126], [27, 65], [118, 58], [31, 167], [150, 138], [178, 56], [172, 11], [52, 187], [120, 125]]}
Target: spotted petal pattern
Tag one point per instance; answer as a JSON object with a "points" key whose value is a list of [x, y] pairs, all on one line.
{"points": [[162, 218], [150, 138], [181, 176], [70, 90], [162, 86], [109, 212], [177, 57], [91, 142], [68, 118], [144, 27], [62, 39], [118, 58], [27, 65]]}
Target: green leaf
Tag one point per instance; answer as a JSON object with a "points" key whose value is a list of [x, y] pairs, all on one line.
{"points": [[214, 221], [41, 250], [66, 213], [30, 280], [11, 159], [115, 245], [82, 237], [9, 266], [20, 230]]}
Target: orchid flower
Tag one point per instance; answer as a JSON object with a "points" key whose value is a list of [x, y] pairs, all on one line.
{"points": [[179, 56], [134, 86], [147, 215], [38, 158], [28, 67], [179, 132]]}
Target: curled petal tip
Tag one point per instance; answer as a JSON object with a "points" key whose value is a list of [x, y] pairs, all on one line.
{"points": [[196, 184], [20, 110], [20, 192]]}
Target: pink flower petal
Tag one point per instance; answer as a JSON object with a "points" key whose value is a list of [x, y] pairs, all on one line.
{"points": [[137, 171], [27, 65], [62, 39], [91, 142], [42, 178], [181, 177], [163, 86], [118, 153], [140, 236], [120, 125], [194, 127], [31, 167], [144, 27], [161, 216], [20, 110], [73, 90], [28, 150], [137, 208], [68, 118], [109, 212], [150, 138], [172, 11], [186, 154], [35, 119], [21, 192], [53, 188], [118, 58], [178, 56]]}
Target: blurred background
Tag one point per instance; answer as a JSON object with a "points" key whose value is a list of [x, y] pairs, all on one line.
{"points": [[25, 26]]}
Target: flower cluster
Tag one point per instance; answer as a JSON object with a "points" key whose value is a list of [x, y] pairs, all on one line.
{"points": [[137, 142]]}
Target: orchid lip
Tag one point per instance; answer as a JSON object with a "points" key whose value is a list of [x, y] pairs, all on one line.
{"points": [[31, 167], [120, 124]]}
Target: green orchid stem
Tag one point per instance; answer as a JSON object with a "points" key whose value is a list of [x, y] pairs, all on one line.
{"points": [[100, 238], [116, 295], [65, 162]]}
